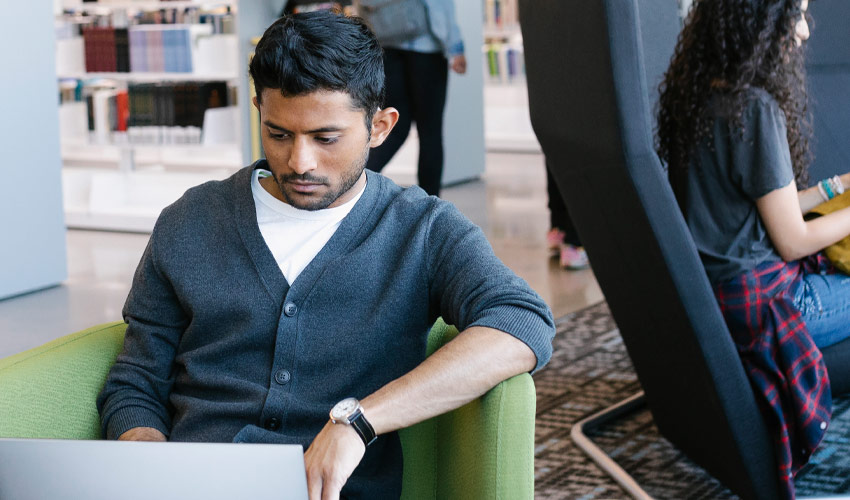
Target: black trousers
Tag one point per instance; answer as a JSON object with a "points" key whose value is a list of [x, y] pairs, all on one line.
{"points": [[416, 87], [559, 217]]}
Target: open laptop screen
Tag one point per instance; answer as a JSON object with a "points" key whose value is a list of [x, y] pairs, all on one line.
{"points": [[46, 469]]}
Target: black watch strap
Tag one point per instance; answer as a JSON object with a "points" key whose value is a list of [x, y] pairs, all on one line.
{"points": [[363, 427]]}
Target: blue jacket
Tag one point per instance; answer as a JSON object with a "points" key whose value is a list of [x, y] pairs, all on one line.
{"points": [[444, 33], [219, 347]]}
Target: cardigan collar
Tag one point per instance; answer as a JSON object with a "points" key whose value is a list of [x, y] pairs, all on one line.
{"points": [[264, 262]]}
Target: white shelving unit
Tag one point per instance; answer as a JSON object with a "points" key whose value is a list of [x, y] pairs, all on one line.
{"points": [[150, 77], [507, 124], [111, 5], [99, 194], [506, 32], [105, 198], [178, 157], [101, 189]]}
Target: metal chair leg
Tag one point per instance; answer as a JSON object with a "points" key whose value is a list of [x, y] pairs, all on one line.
{"points": [[609, 466], [579, 436]]}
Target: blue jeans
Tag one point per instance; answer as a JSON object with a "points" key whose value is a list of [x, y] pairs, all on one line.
{"points": [[824, 300]]}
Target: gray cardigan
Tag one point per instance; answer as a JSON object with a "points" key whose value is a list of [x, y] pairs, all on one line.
{"points": [[220, 347]]}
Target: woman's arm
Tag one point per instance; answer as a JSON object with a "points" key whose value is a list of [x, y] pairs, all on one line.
{"points": [[810, 198], [793, 237]]}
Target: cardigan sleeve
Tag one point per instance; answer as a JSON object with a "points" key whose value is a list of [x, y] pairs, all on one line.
{"points": [[138, 385], [474, 288]]}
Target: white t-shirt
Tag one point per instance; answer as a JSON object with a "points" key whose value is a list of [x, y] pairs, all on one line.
{"points": [[293, 235]]}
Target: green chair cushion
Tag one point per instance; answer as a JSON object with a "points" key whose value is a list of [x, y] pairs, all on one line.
{"points": [[482, 450], [50, 391]]}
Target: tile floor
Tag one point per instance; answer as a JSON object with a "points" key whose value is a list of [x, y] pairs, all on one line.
{"points": [[509, 203]]}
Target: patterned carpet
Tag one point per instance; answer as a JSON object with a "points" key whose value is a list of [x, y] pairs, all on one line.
{"points": [[589, 371]]}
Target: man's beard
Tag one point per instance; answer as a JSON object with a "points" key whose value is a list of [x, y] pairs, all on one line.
{"points": [[348, 180]]}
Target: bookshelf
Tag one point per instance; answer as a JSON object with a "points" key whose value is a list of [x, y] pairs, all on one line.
{"points": [[173, 115], [151, 77], [113, 184], [506, 116], [148, 5]]}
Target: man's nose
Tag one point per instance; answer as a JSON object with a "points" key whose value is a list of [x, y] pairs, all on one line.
{"points": [[302, 159]]}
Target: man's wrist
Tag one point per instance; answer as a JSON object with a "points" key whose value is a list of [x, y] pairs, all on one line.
{"points": [[142, 434], [349, 412], [132, 417]]}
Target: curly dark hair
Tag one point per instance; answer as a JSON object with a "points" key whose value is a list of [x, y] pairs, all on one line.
{"points": [[729, 47]]}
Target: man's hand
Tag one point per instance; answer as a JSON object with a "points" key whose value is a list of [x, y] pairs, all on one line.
{"points": [[331, 459], [458, 64], [142, 434]]}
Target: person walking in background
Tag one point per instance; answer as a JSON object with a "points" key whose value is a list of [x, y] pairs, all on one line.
{"points": [[562, 237], [421, 40]]}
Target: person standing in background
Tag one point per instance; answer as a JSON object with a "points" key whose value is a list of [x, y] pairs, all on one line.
{"points": [[562, 238], [416, 65]]}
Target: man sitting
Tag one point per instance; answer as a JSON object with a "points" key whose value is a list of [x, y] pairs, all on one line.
{"points": [[302, 282]]}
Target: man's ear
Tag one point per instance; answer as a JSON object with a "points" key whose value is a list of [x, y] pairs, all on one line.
{"points": [[382, 124], [256, 102]]}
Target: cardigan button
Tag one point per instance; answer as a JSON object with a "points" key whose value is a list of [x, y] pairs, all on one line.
{"points": [[282, 377], [290, 309], [272, 423]]}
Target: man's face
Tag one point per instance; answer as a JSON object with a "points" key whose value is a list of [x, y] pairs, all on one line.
{"points": [[316, 145]]}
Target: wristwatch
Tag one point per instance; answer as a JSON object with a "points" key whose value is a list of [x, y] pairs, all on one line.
{"points": [[349, 412]]}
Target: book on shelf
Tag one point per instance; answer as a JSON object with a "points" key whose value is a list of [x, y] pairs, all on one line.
{"points": [[146, 113], [501, 15], [102, 50], [158, 48], [503, 62], [159, 41]]}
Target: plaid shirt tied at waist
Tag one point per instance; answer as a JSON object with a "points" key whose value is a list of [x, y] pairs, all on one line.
{"points": [[783, 364]]}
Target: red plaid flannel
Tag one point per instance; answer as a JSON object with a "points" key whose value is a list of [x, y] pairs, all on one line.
{"points": [[784, 366]]}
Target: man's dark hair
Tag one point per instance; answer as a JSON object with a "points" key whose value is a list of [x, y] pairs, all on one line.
{"points": [[322, 50]]}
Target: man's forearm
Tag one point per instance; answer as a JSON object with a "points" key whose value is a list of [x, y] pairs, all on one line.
{"points": [[462, 370]]}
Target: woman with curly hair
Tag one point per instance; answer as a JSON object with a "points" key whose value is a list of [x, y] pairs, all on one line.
{"points": [[734, 132], [733, 129]]}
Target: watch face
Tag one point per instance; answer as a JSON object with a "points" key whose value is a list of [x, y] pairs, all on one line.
{"points": [[344, 408]]}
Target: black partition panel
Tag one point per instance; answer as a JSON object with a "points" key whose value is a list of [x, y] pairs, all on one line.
{"points": [[828, 67], [590, 107]]}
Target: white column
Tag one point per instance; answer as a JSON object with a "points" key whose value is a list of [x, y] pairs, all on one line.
{"points": [[32, 229], [463, 128]]}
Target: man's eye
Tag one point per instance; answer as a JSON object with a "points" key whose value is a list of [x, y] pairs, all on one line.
{"points": [[278, 136], [327, 140]]}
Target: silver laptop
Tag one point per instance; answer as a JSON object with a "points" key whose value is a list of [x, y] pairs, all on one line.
{"points": [[47, 469]]}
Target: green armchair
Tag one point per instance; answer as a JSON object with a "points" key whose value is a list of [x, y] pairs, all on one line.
{"points": [[485, 449]]}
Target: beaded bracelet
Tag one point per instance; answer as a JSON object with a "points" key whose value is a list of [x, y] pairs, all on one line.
{"points": [[826, 187], [822, 192], [836, 185]]}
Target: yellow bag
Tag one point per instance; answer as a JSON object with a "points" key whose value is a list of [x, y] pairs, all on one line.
{"points": [[838, 253]]}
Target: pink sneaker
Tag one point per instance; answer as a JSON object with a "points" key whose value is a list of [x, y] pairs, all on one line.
{"points": [[554, 240], [574, 258]]}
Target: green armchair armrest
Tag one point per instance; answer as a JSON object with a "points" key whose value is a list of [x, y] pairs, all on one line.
{"points": [[484, 449]]}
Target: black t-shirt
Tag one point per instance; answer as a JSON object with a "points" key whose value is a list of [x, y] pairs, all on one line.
{"points": [[730, 169]]}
